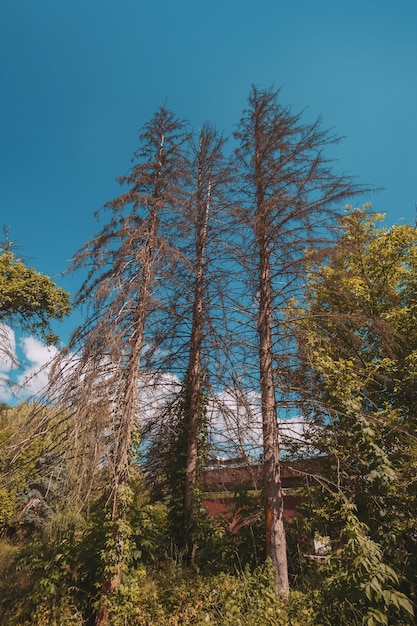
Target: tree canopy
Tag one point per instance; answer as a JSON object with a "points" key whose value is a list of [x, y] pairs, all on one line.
{"points": [[30, 299], [357, 346]]}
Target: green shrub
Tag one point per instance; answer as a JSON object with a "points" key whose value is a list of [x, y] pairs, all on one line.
{"points": [[173, 596]]}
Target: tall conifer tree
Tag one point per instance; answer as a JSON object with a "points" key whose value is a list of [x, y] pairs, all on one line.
{"points": [[288, 197], [127, 298]]}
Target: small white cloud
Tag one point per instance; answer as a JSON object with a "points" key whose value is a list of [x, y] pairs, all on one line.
{"points": [[34, 377], [235, 418], [37, 352], [156, 390], [235, 421], [292, 427]]}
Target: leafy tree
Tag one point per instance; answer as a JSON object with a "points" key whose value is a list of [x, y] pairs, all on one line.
{"points": [[28, 481], [29, 299], [357, 345]]}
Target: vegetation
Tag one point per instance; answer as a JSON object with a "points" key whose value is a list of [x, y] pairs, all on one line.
{"points": [[29, 299], [356, 347], [222, 294]]}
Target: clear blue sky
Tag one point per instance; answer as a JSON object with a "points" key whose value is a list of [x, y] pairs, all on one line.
{"points": [[79, 78]]}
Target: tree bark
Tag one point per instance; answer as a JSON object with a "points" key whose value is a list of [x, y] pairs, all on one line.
{"points": [[211, 179], [276, 547], [194, 374]]}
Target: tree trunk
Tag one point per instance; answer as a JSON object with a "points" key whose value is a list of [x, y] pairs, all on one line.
{"points": [[276, 548], [194, 370]]}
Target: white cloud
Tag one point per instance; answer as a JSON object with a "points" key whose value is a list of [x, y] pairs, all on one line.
{"points": [[236, 424], [293, 427], [156, 390], [34, 377], [235, 421], [24, 365], [37, 352]]}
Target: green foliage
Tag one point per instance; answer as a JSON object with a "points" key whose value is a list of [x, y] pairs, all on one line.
{"points": [[244, 532], [166, 466], [55, 579], [20, 473], [355, 585], [32, 470], [356, 335], [39, 585], [174, 596], [30, 298], [150, 538], [7, 505]]}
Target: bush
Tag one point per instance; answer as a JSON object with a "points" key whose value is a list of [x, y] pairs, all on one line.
{"points": [[174, 596]]}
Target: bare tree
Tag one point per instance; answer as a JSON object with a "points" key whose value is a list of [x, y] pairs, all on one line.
{"points": [[177, 432], [288, 196], [127, 298], [211, 179]]}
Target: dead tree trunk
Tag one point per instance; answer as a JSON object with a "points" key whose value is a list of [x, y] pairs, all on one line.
{"points": [[194, 374], [212, 177], [287, 195], [276, 546]]}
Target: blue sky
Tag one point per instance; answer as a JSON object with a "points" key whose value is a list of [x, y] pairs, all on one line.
{"points": [[79, 78]]}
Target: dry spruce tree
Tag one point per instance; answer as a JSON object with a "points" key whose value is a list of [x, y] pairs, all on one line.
{"points": [[129, 309], [288, 197], [179, 433], [207, 203]]}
